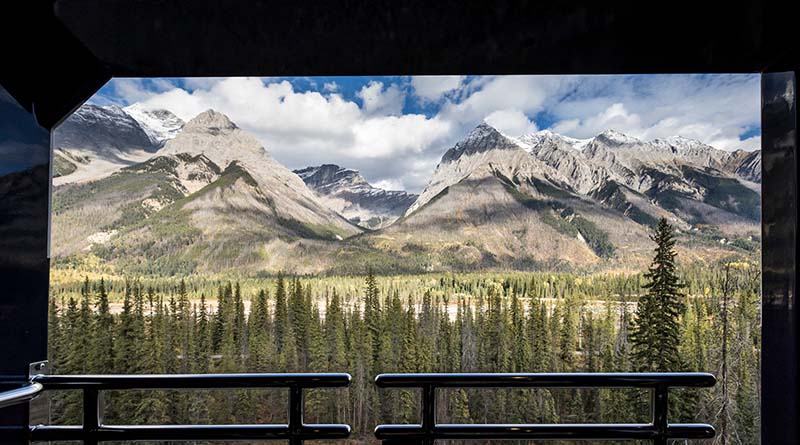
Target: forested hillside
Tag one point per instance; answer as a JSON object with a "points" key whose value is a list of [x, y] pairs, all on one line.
{"points": [[517, 322]]}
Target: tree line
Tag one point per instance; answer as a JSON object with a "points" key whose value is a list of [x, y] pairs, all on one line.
{"points": [[501, 327]]}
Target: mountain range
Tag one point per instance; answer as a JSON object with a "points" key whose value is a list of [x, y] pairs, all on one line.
{"points": [[348, 193], [143, 192]]}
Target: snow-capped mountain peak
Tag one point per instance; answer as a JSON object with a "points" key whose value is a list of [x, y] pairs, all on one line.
{"points": [[530, 141], [96, 141], [615, 138], [159, 124]]}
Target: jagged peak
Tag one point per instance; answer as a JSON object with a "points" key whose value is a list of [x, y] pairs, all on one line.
{"points": [[327, 174], [310, 170], [483, 137], [160, 124], [100, 112], [533, 140], [138, 107], [616, 137], [211, 119], [481, 131], [113, 108], [680, 143], [678, 139]]}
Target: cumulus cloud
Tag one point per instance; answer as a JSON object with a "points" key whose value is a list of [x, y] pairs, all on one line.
{"points": [[432, 88], [389, 184], [527, 94], [135, 90], [511, 122], [302, 128], [378, 100], [371, 126], [714, 109], [615, 117]]}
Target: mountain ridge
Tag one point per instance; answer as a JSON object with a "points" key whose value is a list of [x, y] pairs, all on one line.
{"points": [[347, 192], [209, 198]]}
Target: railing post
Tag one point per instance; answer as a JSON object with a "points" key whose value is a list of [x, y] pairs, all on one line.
{"points": [[428, 413], [92, 415], [295, 414], [660, 413]]}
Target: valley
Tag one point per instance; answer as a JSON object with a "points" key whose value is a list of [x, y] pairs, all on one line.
{"points": [[186, 247]]}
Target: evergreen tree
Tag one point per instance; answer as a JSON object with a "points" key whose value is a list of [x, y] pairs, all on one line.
{"points": [[281, 312], [655, 337], [494, 329]]}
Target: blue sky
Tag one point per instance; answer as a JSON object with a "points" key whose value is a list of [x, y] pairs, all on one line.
{"points": [[395, 129]]}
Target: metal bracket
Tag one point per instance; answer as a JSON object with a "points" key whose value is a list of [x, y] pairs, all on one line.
{"points": [[39, 411]]}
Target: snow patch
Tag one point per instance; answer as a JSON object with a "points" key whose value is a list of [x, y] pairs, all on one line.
{"points": [[160, 125], [99, 238]]}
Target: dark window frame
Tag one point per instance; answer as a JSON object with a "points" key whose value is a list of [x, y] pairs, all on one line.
{"points": [[67, 49]]}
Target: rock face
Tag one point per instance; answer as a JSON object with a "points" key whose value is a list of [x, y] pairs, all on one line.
{"points": [[95, 142], [548, 199], [212, 199], [348, 193], [149, 194], [213, 135], [107, 131], [744, 164]]}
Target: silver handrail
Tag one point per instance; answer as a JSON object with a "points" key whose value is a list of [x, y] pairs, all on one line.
{"points": [[20, 395]]}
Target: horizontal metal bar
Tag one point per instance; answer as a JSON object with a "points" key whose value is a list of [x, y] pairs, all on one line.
{"points": [[108, 433], [624, 431], [554, 380], [192, 381], [20, 395]]}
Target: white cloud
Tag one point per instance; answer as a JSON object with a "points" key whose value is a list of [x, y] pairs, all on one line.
{"points": [[511, 122], [370, 133], [193, 83], [432, 88], [749, 144], [129, 91], [614, 117], [715, 110], [396, 135], [309, 128], [528, 94], [378, 100], [389, 184]]}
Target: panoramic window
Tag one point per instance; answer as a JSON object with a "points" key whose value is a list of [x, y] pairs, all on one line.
{"points": [[411, 224]]}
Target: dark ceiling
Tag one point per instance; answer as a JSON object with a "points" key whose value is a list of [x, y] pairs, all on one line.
{"points": [[83, 42]]}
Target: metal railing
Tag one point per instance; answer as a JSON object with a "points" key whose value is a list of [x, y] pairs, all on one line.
{"points": [[93, 430], [20, 395], [659, 431]]}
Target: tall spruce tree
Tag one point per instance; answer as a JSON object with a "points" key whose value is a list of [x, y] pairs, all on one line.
{"points": [[655, 337]]}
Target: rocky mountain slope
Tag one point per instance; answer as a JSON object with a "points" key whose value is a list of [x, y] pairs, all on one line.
{"points": [[348, 193], [144, 193], [95, 141], [211, 200], [544, 200]]}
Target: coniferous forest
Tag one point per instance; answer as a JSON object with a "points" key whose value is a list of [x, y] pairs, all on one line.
{"points": [[672, 317]]}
